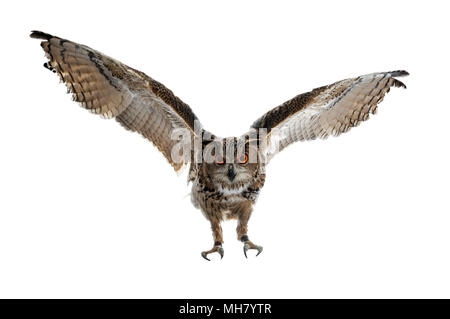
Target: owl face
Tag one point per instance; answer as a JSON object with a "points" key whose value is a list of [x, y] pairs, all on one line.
{"points": [[233, 167]]}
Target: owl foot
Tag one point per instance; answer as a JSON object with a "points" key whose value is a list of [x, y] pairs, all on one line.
{"points": [[216, 249], [249, 245]]}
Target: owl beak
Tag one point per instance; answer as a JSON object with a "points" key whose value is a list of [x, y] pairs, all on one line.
{"points": [[231, 173]]}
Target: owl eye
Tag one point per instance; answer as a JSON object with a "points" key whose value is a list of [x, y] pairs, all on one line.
{"points": [[219, 160], [243, 159]]}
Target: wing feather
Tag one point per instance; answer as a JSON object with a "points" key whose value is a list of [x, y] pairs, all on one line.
{"points": [[328, 110], [111, 89]]}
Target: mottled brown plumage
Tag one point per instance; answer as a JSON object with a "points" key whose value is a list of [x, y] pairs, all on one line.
{"points": [[107, 87], [226, 174], [328, 110]]}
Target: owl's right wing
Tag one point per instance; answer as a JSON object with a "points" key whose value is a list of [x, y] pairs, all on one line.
{"points": [[328, 110], [111, 89]]}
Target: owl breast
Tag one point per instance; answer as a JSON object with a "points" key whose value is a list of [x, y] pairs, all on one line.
{"points": [[221, 201]]}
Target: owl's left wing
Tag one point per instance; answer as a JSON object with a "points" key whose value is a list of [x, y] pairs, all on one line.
{"points": [[328, 110]]}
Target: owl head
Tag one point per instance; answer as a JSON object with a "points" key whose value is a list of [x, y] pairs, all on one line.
{"points": [[232, 163]]}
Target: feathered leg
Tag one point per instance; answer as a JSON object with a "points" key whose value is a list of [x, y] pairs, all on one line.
{"points": [[244, 212], [218, 238]]}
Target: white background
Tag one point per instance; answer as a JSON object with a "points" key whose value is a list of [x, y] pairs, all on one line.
{"points": [[90, 210]]}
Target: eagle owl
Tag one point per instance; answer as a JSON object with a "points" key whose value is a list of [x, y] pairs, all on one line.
{"points": [[227, 174]]}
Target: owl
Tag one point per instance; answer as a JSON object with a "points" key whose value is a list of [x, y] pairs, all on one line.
{"points": [[226, 174]]}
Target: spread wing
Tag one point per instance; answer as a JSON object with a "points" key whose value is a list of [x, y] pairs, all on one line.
{"points": [[111, 89], [328, 110]]}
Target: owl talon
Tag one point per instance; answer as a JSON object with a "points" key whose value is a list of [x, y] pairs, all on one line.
{"points": [[249, 245], [204, 254], [215, 249]]}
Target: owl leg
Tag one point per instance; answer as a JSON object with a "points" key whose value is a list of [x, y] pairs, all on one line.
{"points": [[218, 239], [244, 214]]}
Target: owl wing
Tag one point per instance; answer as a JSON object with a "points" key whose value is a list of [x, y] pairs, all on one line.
{"points": [[109, 88], [327, 110]]}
